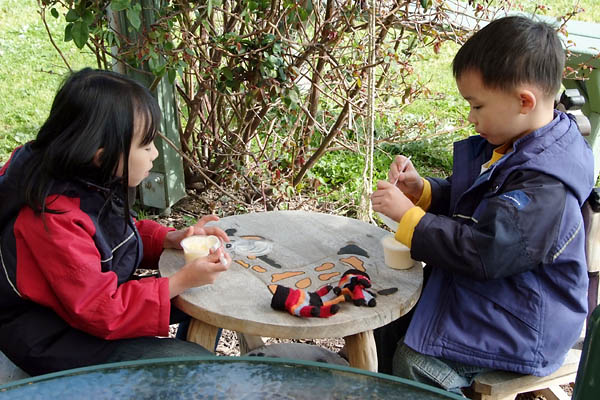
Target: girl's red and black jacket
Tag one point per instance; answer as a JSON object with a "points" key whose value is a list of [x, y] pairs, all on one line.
{"points": [[67, 286]]}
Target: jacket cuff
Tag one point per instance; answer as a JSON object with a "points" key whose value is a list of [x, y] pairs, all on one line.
{"points": [[425, 200], [407, 225], [153, 237]]}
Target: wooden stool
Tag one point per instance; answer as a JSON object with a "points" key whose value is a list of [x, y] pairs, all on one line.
{"points": [[502, 385]]}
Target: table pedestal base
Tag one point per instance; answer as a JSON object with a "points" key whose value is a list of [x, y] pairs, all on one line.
{"points": [[361, 351], [203, 334]]}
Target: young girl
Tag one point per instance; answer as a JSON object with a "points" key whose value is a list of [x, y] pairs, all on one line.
{"points": [[69, 245]]}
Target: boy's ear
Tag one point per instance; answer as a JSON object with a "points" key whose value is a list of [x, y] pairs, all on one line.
{"points": [[97, 156], [528, 101]]}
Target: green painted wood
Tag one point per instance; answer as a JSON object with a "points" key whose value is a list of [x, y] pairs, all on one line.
{"points": [[587, 383], [583, 43], [585, 37], [166, 183]]}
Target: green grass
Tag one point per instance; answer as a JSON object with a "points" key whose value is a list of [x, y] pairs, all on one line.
{"points": [[591, 12], [30, 71]]}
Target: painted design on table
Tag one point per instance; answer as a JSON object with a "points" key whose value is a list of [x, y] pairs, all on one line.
{"points": [[326, 272]]}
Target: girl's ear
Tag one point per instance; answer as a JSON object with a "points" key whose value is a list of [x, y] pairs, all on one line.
{"points": [[97, 156], [528, 101]]}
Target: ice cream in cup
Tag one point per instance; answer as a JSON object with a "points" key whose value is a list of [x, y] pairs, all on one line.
{"points": [[199, 246], [395, 254]]}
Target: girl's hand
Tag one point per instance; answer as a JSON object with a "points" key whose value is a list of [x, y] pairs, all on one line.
{"points": [[199, 272], [389, 200], [406, 178], [174, 238]]}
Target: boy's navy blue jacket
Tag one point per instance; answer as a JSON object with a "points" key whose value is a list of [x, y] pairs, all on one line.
{"points": [[67, 293], [508, 286]]}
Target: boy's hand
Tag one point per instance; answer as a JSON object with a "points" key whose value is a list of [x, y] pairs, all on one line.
{"points": [[389, 200], [173, 238], [404, 175]]}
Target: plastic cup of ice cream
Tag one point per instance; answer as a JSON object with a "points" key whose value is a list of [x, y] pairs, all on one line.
{"points": [[199, 246]]}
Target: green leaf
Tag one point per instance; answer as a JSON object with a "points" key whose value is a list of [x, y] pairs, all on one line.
{"points": [[160, 71], [289, 190], [425, 4], [293, 96], [154, 64], [133, 15], [110, 38], [53, 12], [80, 32], [302, 13], [209, 7], [71, 16], [171, 74], [88, 17], [119, 5], [282, 75], [68, 35], [227, 72]]}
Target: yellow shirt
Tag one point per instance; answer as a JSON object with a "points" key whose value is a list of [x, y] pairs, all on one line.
{"points": [[410, 219]]}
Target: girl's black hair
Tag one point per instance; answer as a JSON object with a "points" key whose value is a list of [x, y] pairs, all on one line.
{"points": [[514, 50], [92, 110]]}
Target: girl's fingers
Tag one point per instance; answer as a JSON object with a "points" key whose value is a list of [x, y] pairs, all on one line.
{"points": [[189, 231], [206, 219], [220, 233]]}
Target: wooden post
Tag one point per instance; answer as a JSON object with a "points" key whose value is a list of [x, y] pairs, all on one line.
{"points": [[166, 183]]}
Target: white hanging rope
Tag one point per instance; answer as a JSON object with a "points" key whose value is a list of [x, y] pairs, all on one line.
{"points": [[371, 105]]}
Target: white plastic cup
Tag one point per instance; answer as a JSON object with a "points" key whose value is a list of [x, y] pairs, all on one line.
{"points": [[198, 246], [396, 255]]}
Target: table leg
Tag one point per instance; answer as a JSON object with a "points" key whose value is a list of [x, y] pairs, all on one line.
{"points": [[203, 334], [361, 351], [249, 342]]}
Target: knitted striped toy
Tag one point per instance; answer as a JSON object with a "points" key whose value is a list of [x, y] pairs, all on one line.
{"points": [[298, 302]]}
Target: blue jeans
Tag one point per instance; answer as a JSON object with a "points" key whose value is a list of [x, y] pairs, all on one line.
{"points": [[439, 372]]}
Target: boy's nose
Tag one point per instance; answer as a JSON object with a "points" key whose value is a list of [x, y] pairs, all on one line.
{"points": [[471, 119]]}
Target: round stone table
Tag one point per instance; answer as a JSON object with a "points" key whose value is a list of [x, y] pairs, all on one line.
{"points": [[306, 250]]}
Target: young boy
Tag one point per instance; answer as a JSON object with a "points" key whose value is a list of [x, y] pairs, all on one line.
{"points": [[503, 237]]}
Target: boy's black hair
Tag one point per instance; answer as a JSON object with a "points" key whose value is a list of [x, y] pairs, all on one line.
{"points": [[92, 110], [514, 50]]}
